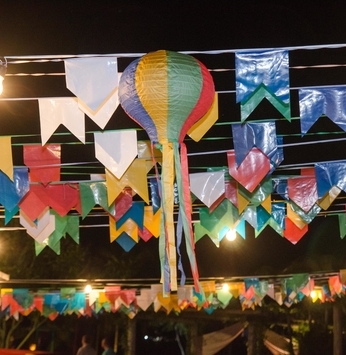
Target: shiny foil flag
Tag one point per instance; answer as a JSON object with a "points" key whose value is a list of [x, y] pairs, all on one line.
{"points": [[43, 162], [6, 163], [302, 190], [208, 186], [11, 192], [93, 79], [261, 135], [65, 111], [116, 150], [329, 175], [251, 171], [314, 102], [259, 75]]}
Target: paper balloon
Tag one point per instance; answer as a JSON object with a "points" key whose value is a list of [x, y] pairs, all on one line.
{"points": [[166, 93]]}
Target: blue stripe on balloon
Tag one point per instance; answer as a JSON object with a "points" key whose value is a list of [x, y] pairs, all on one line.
{"points": [[131, 102]]}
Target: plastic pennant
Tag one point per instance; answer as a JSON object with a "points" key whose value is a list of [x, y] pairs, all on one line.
{"points": [[329, 197], [6, 162], [13, 191], [202, 126], [251, 171], [116, 150], [42, 228], [123, 203], [261, 135], [134, 177], [293, 233], [278, 213], [248, 106], [342, 224], [152, 220], [94, 193], [65, 111], [306, 217], [302, 190], [126, 242], [128, 227], [104, 112], [329, 175], [208, 186], [294, 217], [43, 162], [231, 191], [63, 197], [314, 102], [200, 231], [271, 70], [92, 79], [135, 213]]}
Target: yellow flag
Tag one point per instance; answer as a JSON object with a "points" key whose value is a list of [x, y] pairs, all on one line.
{"points": [[202, 126]]}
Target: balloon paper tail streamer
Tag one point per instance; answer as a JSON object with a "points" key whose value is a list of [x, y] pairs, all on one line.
{"points": [[167, 228], [185, 208], [179, 239]]}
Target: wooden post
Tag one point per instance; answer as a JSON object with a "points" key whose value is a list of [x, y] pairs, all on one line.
{"points": [[251, 339], [131, 337], [116, 338], [337, 329], [194, 347]]}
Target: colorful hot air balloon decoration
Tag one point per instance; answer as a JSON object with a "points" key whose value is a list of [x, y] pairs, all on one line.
{"points": [[167, 92]]}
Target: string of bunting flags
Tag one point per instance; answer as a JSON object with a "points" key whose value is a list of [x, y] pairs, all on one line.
{"points": [[135, 200], [250, 292]]}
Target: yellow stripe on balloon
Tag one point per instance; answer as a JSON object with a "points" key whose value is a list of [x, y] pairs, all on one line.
{"points": [[152, 89], [168, 208]]}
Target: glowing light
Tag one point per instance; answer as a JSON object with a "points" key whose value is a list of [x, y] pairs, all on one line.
{"points": [[316, 294], [231, 235], [1, 85], [88, 289], [146, 337], [3, 69], [32, 347], [225, 287]]}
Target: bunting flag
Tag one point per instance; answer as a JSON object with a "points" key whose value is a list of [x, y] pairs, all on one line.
{"points": [[201, 127], [251, 171], [314, 102], [271, 80], [44, 162], [94, 193], [116, 150], [135, 177], [62, 198], [292, 232], [65, 111], [12, 192], [250, 292], [302, 190], [92, 79], [261, 135], [342, 224], [65, 225], [41, 228], [6, 163], [329, 175], [207, 187]]}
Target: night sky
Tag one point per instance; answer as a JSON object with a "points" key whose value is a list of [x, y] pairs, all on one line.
{"points": [[104, 27]]}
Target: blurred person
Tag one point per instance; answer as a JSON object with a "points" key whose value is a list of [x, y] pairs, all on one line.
{"points": [[86, 348], [106, 345]]}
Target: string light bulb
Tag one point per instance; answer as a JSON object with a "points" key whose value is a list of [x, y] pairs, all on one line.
{"points": [[231, 234], [3, 70]]}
